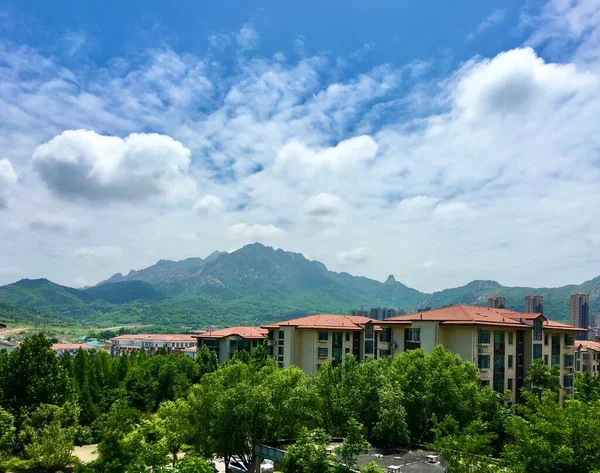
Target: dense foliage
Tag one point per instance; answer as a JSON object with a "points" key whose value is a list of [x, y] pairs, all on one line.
{"points": [[145, 412]]}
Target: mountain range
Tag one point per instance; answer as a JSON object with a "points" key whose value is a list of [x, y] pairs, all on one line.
{"points": [[252, 285]]}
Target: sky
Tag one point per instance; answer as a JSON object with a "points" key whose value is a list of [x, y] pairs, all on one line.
{"points": [[437, 141]]}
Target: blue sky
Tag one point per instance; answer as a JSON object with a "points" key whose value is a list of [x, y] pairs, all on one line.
{"points": [[438, 141]]}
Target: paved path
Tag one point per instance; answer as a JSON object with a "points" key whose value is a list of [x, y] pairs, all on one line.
{"points": [[86, 453]]}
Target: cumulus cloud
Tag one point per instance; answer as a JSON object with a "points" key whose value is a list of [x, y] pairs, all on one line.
{"points": [[83, 165], [8, 177], [324, 208], [247, 38], [209, 204], [255, 232], [355, 256]]}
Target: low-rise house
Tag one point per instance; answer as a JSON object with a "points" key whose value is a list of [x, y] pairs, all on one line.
{"points": [[587, 357], [309, 342], [72, 348], [225, 342], [151, 343]]}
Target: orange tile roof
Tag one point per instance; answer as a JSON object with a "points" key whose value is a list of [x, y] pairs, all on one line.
{"points": [[243, 332], [588, 344], [158, 337], [476, 315], [72, 346], [325, 321], [463, 315]]}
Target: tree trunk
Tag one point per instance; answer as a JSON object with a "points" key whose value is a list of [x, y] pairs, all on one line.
{"points": [[174, 458]]}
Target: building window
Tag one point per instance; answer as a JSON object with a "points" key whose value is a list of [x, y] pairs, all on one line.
{"points": [[347, 350], [233, 344], [337, 338], [281, 335], [347, 336], [555, 360], [546, 340], [537, 330], [483, 336], [369, 347], [254, 343], [413, 334], [568, 381], [499, 385], [337, 354], [271, 335], [369, 331], [280, 364], [510, 384], [323, 336], [569, 340], [569, 361], [386, 334], [280, 351], [510, 338], [546, 359], [483, 362], [485, 382], [323, 352], [537, 351], [510, 361]]}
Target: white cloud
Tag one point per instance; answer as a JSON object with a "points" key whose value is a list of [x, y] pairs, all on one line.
{"points": [[209, 204], [355, 256], [254, 232], [83, 165], [8, 177], [96, 253], [494, 18], [247, 38], [324, 208]]}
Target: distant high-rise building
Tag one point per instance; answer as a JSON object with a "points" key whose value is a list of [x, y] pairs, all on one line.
{"points": [[360, 312], [378, 313], [579, 313], [497, 302], [534, 304]]}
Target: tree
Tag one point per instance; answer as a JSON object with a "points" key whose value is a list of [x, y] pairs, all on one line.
{"points": [[49, 435], [207, 360], [175, 424], [550, 438], [467, 450], [33, 376], [239, 407], [193, 464], [7, 432], [353, 445], [543, 378], [372, 468], [391, 427], [308, 454]]}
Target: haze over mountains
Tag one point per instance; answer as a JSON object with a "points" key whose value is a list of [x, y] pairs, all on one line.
{"points": [[252, 285]]}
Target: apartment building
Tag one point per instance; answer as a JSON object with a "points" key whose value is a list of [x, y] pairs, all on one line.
{"points": [[501, 343], [579, 312], [309, 342], [587, 357], [227, 341], [151, 343], [72, 348], [497, 302], [534, 304]]}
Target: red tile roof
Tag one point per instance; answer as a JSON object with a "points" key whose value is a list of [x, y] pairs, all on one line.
{"points": [[476, 315], [243, 332], [588, 344], [325, 321], [156, 337], [72, 346]]}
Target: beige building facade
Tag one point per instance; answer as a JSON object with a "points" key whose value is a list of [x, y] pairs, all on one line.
{"points": [[501, 343], [587, 357], [227, 341]]}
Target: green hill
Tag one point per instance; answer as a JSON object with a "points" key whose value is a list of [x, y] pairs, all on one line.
{"points": [[252, 285]]}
